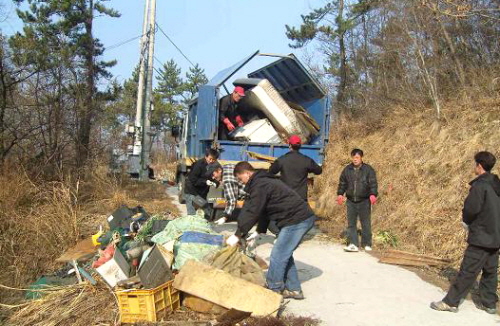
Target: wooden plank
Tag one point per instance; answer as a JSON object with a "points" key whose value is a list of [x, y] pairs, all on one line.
{"points": [[406, 262], [222, 288], [262, 157], [409, 255], [83, 250]]}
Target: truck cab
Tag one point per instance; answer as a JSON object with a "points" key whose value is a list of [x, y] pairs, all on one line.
{"points": [[201, 122]]}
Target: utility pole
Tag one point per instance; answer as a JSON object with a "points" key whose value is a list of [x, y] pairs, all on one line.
{"points": [[146, 143], [139, 155]]}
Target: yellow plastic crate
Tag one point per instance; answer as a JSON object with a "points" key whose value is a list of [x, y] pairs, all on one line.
{"points": [[148, 305]]}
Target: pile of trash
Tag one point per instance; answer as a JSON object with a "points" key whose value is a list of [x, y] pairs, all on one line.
{"points": [[156, 264]]}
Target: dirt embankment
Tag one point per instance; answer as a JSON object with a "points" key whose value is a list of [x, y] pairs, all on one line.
{"points": [[423, 171]]}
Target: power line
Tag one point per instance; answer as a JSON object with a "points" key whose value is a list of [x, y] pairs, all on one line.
{"points": [[114, 46], [157, 71], [173, 43], [158, 60]]}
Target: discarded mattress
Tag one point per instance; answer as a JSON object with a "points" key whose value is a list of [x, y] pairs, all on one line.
{"points": [[264, 97], [257, 131]]}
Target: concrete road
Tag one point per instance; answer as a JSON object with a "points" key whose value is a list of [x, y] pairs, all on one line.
{"points": [[353, 289]]}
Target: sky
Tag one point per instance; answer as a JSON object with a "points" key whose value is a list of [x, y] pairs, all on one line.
{"points": [[213, 33]]}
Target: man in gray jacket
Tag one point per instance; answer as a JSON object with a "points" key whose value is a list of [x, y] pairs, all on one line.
{"points": [[358, 182]]}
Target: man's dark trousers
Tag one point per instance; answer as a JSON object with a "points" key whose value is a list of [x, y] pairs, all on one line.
{"points": [[362, 210], [475, 260]]}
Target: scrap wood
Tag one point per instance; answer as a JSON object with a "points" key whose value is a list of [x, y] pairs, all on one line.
{"points": [[232, 317], [397, 257], [83, 250], [400, 253], [262, 157], [226, 290]]}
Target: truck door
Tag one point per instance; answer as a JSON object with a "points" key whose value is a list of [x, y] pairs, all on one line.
{"points": [[208, 101], [206, 123]]}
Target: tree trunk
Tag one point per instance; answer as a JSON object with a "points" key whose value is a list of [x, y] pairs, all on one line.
{"points": [[85, 124], [341, 96], [3, 103]]}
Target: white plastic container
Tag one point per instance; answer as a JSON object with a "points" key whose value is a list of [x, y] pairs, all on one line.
{"points": [[257, 131]]}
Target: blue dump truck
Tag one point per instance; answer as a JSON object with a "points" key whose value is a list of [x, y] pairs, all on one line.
{"points": [[290, 79]]}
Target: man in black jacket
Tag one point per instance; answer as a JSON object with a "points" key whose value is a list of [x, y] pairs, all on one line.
{"points": [[229, 115], [198, 181], [481, 216], [358, 182], [272, 200], [295, 167]]}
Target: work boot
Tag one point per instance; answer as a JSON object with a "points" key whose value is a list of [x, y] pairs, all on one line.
{"points": [[297, 295], [491, 311], [351, 248], [442, 306]]}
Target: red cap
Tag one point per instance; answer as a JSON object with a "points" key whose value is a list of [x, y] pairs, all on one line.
{"points": [[294, 140], [239, 90]]}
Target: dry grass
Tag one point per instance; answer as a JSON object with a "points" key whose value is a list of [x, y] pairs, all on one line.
{"points": [[423, 172], [165, 166], [76, 305], [288, 320], [40, 219]]}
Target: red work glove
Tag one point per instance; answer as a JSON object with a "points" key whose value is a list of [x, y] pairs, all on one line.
{"points": [[373, 199], [239, 121], [340, 199], [229, 124]]}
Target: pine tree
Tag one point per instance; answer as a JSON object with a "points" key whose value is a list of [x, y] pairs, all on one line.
{"points": [[317, 25], [65, 28], [195, 78], [168, 95]]}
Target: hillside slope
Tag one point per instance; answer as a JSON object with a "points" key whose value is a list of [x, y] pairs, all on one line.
{"points": [[423, 172]]}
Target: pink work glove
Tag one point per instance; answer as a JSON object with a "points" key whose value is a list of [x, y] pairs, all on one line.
{"points": [[239, 121], [340, 199], [229, 124], [373, 199]]}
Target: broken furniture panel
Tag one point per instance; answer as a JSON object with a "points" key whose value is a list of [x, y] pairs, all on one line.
{"points": [[228, 291]]}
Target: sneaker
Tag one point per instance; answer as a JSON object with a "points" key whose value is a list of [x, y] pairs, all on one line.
{"points": [[491, 311], [297, 295], [368, 248], [351, 248], [441, 306]]}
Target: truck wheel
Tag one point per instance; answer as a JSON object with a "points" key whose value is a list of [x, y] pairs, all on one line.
{"points": [[181, 180]]}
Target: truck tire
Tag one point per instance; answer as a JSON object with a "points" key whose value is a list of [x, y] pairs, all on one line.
{"points": [[181, 180]]}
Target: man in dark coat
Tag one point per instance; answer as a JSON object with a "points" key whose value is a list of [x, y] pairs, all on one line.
{"points": [[229, 115], [198, 181], [481, 216], [295, 167], [358, 182], [272, 200]]}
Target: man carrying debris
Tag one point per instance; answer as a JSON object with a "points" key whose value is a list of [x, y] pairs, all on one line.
{"points": [[233, 189], [481, 216], [197, 181], [272, 200], [295, 167], [229, 117], [358, 182]]}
